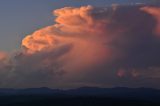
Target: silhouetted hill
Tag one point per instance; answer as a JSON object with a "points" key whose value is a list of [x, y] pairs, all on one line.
{"points": [[84, 96], [145, 93]]}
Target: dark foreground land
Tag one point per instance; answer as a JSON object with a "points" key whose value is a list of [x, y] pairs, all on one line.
{"points": [[80, 97], [71, 101]]}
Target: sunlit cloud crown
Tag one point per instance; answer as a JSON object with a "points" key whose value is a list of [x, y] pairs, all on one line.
{"points": [[97, 46]]}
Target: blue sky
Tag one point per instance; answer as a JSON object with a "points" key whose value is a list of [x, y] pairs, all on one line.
{"points": [[19, 18]]}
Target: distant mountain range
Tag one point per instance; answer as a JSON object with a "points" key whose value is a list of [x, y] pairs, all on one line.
{"points": [[118, 92]]}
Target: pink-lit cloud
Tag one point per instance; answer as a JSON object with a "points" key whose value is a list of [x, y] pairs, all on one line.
{"points": [[97, 46]]}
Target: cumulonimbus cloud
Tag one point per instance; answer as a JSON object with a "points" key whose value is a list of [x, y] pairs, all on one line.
{"points": [[154, 11], [97, 46]]}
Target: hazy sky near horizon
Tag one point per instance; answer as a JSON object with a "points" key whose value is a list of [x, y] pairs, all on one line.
{"points": [[22, 17]]}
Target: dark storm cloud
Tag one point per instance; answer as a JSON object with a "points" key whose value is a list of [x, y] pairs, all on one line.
{"points": [[37, 70], [90, 46], [135, 46]]}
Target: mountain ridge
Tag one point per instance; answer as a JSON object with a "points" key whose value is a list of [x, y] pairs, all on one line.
{"points": [[118, 92], [83, 96]]}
